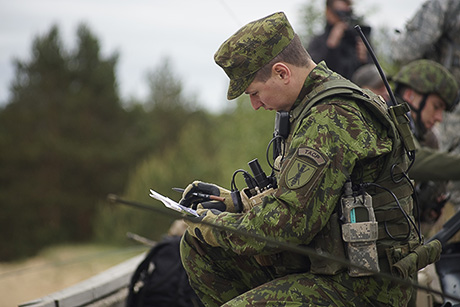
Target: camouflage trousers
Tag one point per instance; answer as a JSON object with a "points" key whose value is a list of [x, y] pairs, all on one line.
{"points": [[223, 278]]}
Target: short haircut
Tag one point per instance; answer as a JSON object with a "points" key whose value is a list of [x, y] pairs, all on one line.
{"points": [[294, 54]]}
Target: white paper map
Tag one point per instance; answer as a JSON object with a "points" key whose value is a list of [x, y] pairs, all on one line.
{"points": [[171, 204]]}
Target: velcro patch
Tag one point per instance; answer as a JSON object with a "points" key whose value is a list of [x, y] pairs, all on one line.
{"points": [[299, 173], [312, 154]]}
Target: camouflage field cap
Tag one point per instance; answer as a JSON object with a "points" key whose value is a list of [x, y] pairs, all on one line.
{"points": [[426, 77], [250, 48]]}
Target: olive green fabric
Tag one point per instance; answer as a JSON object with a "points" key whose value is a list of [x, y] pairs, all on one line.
{"points": [[431, 164], [250, 48], [426, 77], [418, 259]]}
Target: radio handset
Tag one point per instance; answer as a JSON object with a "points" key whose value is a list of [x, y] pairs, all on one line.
{"points": [[281, 132]]}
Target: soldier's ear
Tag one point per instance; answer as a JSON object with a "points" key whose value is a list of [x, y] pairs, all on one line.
{"points": [[281, 71]]}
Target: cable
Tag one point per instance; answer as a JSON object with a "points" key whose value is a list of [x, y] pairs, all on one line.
{"points": [[233, 186], [417, 205], [278, 137], [409, 221], [414, 194]]}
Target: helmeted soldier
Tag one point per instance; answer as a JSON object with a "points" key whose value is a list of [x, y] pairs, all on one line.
{"points": [[433, 33], [341, 189], [429, 89]]}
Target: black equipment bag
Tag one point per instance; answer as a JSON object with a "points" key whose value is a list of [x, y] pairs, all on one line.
{"points": [[160, 279]]}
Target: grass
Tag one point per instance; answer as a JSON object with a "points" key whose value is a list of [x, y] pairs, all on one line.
{"points": [[57, 268]]}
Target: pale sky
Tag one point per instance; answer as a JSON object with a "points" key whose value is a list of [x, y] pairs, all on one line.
{"points": [[144, 32]]}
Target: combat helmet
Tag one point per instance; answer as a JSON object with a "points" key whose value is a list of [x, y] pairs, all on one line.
{"points": [[427, 77]]}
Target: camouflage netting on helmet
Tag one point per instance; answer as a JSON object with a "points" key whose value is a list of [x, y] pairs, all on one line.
{"points": [[426, 77]]}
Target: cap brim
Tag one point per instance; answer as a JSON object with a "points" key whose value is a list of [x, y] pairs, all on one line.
{"points": [[238, 86]]}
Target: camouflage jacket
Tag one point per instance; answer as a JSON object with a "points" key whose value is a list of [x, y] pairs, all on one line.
{"points": [[337, 140]]}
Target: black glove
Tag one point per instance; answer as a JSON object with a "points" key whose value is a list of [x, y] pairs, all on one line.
{"points": [[202, 195]]}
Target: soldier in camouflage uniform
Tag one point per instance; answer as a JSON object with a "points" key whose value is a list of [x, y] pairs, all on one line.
{"points": [[434, 33], [429, 89], [338, 134]]}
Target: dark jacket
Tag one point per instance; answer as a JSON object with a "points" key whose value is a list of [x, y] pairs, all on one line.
{"points": [[342, 59]]}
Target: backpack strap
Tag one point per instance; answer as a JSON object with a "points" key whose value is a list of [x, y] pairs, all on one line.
{"points": [[323, 90], [397, 115]]}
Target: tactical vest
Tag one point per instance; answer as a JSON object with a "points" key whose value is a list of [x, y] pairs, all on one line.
{"points": [[391, 221]]}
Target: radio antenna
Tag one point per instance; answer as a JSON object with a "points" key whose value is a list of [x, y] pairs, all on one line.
{"points": [[376, 62], [403, 127]]}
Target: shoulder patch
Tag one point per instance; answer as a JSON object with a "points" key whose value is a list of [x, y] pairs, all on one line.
{"points": [[312, 154], [299, 173]]}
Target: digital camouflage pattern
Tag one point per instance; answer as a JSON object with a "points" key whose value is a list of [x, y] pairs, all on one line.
{"points": [[432, 33], [339, 138], [250, 48], [360, 237], [429, 77]]}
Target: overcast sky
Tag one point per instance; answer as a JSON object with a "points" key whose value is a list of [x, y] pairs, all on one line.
{"points": [[144, 32]]}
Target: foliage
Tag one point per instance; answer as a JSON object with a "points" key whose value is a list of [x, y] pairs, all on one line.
{"points": [[168, 113], [66, 142], [312, 15], [208, 147]]}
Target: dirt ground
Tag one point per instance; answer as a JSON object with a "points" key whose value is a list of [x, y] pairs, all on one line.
{"points": [[55, 269]]}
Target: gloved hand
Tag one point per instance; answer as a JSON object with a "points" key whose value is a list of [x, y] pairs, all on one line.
{"points": [[194, 195], [203, 232]]}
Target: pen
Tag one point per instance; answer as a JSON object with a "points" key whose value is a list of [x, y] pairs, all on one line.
{"points": [[202, 195], [180, 190], [207, 196]]}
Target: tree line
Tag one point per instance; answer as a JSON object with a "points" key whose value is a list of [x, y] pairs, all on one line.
{"points": [[68, 140]]}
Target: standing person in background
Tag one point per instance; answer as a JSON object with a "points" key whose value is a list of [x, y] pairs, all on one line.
{"points": [[340, 45]]}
